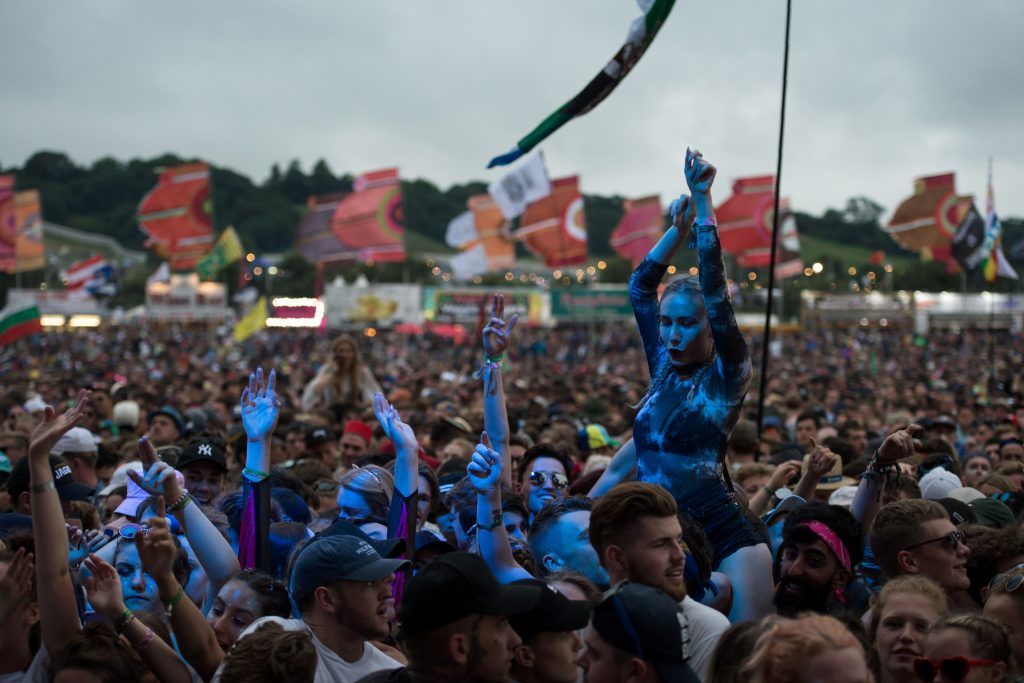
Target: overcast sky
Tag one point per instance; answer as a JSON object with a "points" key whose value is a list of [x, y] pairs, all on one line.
{"points": [[879, 91]]}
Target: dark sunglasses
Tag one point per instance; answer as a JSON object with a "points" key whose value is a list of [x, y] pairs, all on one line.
{"points": [[1006, 583], [326, 487], [560, 481], [952, 668], [951, 541]]}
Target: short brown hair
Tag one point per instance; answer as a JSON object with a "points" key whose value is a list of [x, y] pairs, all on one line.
{"points": [[752, 469], [615, 513], [898, 525], [270, 654]]}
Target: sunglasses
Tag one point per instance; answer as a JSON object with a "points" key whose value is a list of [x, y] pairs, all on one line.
{"points": [[950, 542], [326, 487], [951, 668], [1006, 583], [558, 480]]}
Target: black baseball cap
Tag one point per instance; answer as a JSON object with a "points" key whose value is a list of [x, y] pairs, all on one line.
{"points": [[318, 435], [67, 487], [335, 558], [457, 585], [203, 450], [389, 547], [959, 512], [646, 623], [553, 613]]}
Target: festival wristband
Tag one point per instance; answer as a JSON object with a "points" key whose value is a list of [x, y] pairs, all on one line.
{"points": [[179, 505], [43, 488], [126, 618], [497, 519], [493, 360], [170, 604], [254, 475]]}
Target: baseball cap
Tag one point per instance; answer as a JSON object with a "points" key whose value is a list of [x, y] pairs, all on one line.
{"points": [[646, 623], [790, 502], [360, 429], [458, 422], [195, 421], [389, 547], [965, 494], [959, 512], [937, 484], [126, 414], [843, 496], [992, 512], [120, 476], [318, 435], [35, 404], [203, 450], [428, 540], [170, 412], [335, 558], [553, 613], [76, 440], [67, 487], [137, 495], [457, 585]]}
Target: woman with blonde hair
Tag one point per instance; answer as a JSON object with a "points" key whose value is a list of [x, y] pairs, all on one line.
{"points": [[342, 379], [901, 615], [968, 648], [365, 494], [808, 650]]}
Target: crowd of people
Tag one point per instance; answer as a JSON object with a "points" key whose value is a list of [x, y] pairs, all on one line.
{"points": [[539, 505]]}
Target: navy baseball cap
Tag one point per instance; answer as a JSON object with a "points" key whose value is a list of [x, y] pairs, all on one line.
{"points": [[170, 412], [553, 613], [336, 558], [67, 488], [389, 547]]}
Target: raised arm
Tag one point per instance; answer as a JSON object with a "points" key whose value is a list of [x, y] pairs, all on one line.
{"points": [[733, 359], [496, 339], [819, 465], [260, 410], [868, 499], [759, 502], [58, 610], [484, 472]]}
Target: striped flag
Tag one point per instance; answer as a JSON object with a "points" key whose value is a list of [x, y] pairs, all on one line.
{"points": [[227, 250], [17, 321], [995, 264], [89, 276], [641, 34]]}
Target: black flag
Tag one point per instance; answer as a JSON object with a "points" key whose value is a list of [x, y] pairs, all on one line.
{"points": [[969, 241]]}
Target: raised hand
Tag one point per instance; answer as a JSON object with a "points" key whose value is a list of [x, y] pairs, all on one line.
{"points": [[400, 433], [160, 479], [48, 432], [821, 461], [682, 212], [484, 470], [83, 543], [156, 546], [15, 584], [498, 332], [700, 175], [898, 445], [104, 588], [260, 405], [784, 473]]}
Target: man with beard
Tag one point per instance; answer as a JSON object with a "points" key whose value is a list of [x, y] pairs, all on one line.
{"points": [[820, 546], [636, 532]]}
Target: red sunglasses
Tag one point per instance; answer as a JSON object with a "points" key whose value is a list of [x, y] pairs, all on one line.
{"points": [[952, 668]]}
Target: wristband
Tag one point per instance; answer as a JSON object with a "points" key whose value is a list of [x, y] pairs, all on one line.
{"points": [[144, 643], [497, 519], [169, 604], [43, 488], [493, 360], [705, 224], [254, 475], [127, 616], [179, 505]]}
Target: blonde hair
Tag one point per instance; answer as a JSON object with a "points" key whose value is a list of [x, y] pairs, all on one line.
{"points": [[914, 584], [375, 483], [353, 374], [784, 650]]}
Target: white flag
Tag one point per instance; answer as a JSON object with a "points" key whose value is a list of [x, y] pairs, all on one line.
{"points": [[161, 274], [523, 186], [461, 230], [468, 263]]}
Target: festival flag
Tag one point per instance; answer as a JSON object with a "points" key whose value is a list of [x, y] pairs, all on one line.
{"points": [[177, 215], [968, 245], [90, 277], [28, 241], [516, 190], [253, 321], [640, 228], [746, 222], [641, 34], [995, 262], [555, 227], [17, 321], [314, 239], [227, 250], [926, 221], [8, 223], [482, 235], [368, 222], [161, 274]]}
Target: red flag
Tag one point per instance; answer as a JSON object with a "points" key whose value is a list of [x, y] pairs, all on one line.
{"points": [[640, 228], [369, 221], [8, 223], [176, 214], [746, 221], [926, 221], [555, 227]]}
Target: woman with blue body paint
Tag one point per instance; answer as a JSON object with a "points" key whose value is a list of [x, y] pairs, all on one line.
{"points": [[700, 370]]}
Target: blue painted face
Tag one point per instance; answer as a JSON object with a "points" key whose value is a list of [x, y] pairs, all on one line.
{"points": [[683, 329], [137, 586], [352, 504]]}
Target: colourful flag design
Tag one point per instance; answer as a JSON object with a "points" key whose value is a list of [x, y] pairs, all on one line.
{"points": [[995, 264], [28, 242], [482, 234], [17, 321], [8, 223], [514, 191], [639, 229], [555, 227], [641, 34], [314, 238], [227, 250], [177, 215], [253, 321], [746, 222], [926, 221], [368, 222], [91, 276]]}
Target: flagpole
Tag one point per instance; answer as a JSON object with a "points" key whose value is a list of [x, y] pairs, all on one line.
{"points": [[775, 229]]}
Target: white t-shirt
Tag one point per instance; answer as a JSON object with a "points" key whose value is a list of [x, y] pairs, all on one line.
{"points": [[35, 673], [330, 668], [706, 628]]}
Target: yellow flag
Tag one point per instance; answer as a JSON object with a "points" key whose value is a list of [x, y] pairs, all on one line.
{"points": [[253, 321], [227, 250]]}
